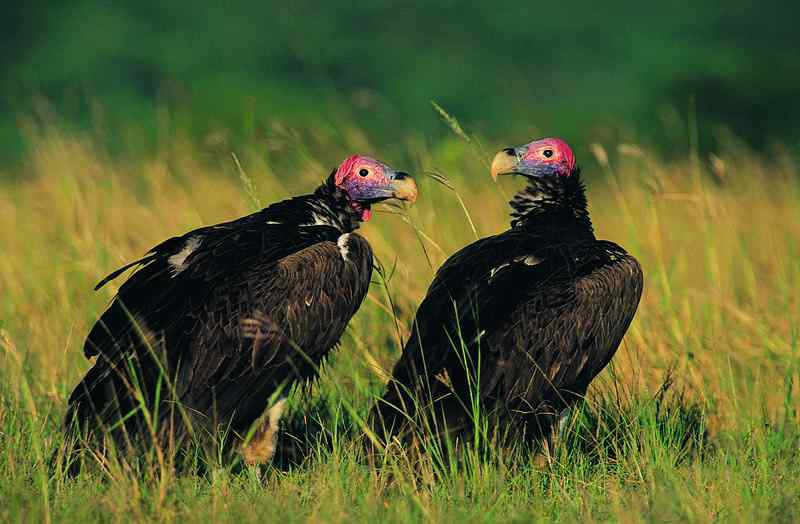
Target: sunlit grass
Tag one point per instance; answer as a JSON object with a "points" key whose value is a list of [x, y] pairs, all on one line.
{"points": [[718, 241]]}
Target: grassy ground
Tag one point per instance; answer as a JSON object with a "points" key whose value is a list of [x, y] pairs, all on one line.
{"points": [[697, 418]]}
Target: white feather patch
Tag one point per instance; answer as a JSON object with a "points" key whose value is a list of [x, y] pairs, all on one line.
{"points": [[178, 260], [342, 243], [318, 220], [494, 270], [530, 260]]}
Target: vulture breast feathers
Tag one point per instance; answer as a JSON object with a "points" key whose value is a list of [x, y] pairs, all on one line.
{"points": [[522, 321], [226, 317]]}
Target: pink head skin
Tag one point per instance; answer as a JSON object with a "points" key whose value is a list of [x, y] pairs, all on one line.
{"points": [[540, 158], [366, 181]]}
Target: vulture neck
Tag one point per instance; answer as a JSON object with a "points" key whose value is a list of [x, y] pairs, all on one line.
{"points": [[553, 207], [335, 206]]}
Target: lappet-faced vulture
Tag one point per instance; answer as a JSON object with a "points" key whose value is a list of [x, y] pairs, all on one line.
{"points": [[515, 326], [215, 325]]}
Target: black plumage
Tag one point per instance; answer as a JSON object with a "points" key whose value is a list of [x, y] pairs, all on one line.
{"points": [[223, 320], [517, 324]]}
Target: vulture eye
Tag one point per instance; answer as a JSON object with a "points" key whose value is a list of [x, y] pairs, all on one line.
{"points": [[363, 172], [547, 153]]}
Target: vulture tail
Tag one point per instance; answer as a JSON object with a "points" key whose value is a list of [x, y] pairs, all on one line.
{"points": [[124, 268]]}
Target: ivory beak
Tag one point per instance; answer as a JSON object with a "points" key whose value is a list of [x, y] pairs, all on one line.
{"points": [[404, 188], [503, 164]]}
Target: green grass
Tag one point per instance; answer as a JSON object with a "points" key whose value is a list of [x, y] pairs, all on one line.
{"points": [[695, 420]]}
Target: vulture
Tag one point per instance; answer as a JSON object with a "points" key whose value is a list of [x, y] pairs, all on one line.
{"points": [[515, 326], [213, 327]]}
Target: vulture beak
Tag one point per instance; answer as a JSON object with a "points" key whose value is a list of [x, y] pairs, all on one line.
{"points": [[403, 187], [506, 162]]}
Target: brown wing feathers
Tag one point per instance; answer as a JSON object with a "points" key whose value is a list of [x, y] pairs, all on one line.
{"points": [[282, 268]]}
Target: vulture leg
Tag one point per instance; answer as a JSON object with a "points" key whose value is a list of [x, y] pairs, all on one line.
{"points": [[260, 448], [554, 436]]}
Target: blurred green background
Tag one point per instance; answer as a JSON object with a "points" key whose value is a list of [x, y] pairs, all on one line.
{"points": [[133, 72]]}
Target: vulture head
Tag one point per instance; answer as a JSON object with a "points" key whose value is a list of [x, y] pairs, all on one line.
{"points": [[545, 158], [366, 181], [554, 183]]}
